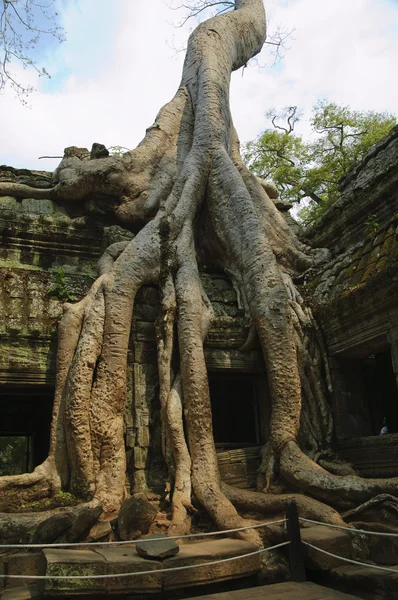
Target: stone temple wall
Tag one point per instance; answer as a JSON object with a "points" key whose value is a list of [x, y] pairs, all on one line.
{"points": [[355, 301], [48, 255], [355, 293]]}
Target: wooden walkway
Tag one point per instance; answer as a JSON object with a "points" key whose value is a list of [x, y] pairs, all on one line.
{"points": [[281, 591]]}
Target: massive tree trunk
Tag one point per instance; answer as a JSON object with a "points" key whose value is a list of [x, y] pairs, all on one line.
{"points": [[189, 165]]}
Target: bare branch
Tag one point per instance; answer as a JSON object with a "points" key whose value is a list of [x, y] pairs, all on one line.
{"points": [[277, 40], [19, 34], [197, 7], [291, 115]]}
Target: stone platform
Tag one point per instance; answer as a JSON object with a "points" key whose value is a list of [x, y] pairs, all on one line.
{"points": [[124, 559], [282, 591]]}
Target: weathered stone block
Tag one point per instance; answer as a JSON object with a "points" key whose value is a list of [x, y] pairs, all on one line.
{"points": [[140, 457], [365, 582], [146, 312], [81, 564], [99, 531], [135, 517], [203, 552], [84, 520], [43, 207], [333, 540], [9, 204], [24, 563], [51, 529], [126, 560], [383, 549]]}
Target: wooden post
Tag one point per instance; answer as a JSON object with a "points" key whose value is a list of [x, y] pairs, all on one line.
{"points": [[297, 568]]}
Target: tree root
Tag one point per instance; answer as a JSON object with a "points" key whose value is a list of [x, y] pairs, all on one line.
{"points": [[188, 169], [273, 504], [343, 492], [392, 502], [18, 490]]}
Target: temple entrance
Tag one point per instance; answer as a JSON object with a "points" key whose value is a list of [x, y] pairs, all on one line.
{"points": [[365, 394], [381, 391], [24, 427], [236, 409]]}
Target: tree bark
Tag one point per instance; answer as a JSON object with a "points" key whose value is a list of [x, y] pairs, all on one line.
{"points": [[189, 163]]}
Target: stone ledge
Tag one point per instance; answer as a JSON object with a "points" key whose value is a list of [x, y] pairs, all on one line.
{"points": [[373, 456], [26, 592], [124, 559], [332, 540], [208, 551], [364, 582]]}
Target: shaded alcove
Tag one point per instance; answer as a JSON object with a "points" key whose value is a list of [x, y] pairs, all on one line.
{"points": [[365, 392], [381, 391], [25, 424], [237, 409]]}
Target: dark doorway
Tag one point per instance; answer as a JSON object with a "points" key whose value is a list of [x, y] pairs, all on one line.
{"points": [[235, 409], [24, 427], [381, 390]]}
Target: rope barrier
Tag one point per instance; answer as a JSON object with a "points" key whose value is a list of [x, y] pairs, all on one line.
{"points": [[151, 572], [351, 529], [350, 560], [133, 542]]}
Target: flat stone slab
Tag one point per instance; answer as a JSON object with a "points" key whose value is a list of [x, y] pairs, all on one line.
{"points": [[365, 580], [24, 563], [281, 591], [74, 563], [156, 546]]}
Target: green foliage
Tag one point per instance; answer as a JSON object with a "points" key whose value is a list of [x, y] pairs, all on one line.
{"points": [[66, 571], [311, 169], [58, 500], [117, 150], [372, 224], [60, 288], [13, 451]]}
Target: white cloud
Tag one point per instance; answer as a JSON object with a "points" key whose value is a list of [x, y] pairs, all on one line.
{"points": [[341, 50], [117, 70]]}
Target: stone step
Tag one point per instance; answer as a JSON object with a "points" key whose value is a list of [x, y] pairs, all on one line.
{"points": [[364, 582], [336, 541], [382, 549]]}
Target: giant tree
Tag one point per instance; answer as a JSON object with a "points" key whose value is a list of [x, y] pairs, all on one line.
{"points": [[186, 171]]}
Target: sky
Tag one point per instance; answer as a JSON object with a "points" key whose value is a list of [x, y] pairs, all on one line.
{"points": [[118, 67]]}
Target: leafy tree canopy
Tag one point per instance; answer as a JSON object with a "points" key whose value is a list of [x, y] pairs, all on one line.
{"points": [[311, 169]]}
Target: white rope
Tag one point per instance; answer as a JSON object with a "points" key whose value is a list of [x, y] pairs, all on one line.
{"points": [[351, 529], [132, 542], [115, 575], [350, 560]]}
